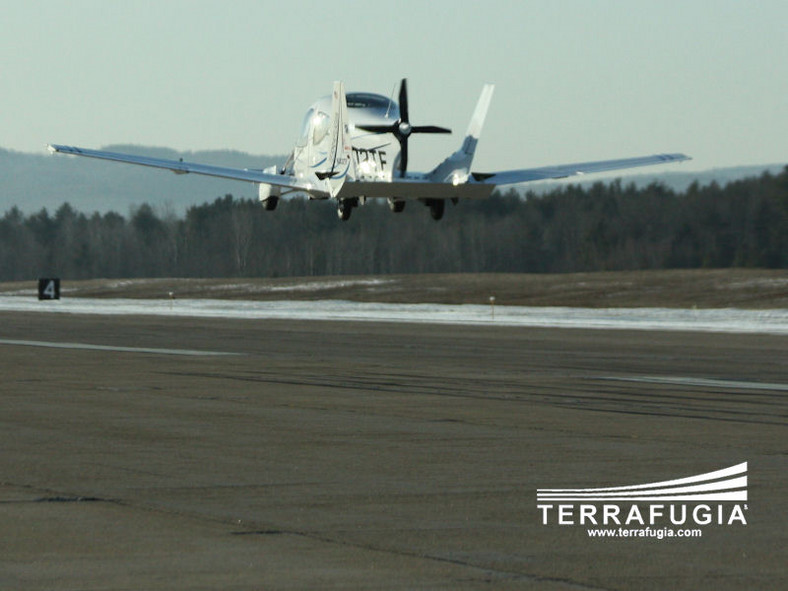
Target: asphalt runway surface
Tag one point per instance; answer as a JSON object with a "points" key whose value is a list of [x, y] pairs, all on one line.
{"points": [[184, 453]]}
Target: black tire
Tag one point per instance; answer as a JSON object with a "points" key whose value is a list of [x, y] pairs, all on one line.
{"points": [[396, 205], [437, 207], [344, 209]]}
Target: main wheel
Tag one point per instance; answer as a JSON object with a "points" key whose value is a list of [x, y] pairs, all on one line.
{"points": [[396, 205], [437, 206], [344, 209]]}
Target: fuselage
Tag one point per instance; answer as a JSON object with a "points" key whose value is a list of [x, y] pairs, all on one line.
{"points": [[375, 155]]}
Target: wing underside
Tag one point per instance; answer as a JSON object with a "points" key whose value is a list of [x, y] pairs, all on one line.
{"points": [[566, 170], [180, 167], [481, 185]]}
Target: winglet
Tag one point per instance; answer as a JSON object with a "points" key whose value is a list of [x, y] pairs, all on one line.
{"points": [[477, 121], [456, 167]]}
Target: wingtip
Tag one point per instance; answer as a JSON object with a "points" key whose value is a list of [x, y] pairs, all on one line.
{"points": [[676, 157]]}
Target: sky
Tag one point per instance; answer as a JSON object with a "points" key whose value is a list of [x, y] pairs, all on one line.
{"points": [[576, 80]]}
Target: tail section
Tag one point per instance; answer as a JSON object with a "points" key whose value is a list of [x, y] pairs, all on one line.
{"points": [[456, 167], [477, 122]]}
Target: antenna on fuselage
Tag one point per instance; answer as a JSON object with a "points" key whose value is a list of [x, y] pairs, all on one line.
{"points": [[391, 101]]}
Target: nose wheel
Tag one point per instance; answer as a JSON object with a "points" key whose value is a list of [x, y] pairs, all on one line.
{"points": [[345, 208]]}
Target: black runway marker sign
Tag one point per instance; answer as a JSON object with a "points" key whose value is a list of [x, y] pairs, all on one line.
{"points": [[49, 288]]}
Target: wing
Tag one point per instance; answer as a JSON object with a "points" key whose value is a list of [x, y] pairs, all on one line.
{"points": [[477, 186], [180, 167], [561, 171], [481, 185]]}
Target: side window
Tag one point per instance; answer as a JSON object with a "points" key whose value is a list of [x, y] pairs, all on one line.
{"points": [[321, 127], [302, 139]]}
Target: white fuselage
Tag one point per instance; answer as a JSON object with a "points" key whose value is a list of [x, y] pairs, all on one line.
{"points": [[375, 155]]}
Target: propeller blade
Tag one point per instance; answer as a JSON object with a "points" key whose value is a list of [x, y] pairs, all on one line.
{"points": [[403, 157], [378, 128], [429, 129], [402, 128], [403, 101]]}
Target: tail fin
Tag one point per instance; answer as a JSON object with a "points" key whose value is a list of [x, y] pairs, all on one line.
{"points": [[340, 157], [456, 167]]}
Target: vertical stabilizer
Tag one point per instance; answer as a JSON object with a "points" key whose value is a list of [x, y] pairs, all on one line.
{"points": [[477, 122], [340, 157], [456, 167]]}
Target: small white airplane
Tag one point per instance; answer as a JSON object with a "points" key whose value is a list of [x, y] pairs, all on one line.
{"points": [[355, 147]]}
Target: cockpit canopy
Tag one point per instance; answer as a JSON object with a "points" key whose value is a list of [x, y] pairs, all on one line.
{"points": [[367, 100], [368, 108], [364, 108]]}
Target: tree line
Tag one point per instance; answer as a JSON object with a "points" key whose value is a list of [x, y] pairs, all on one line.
{"points": [[574, 228]]}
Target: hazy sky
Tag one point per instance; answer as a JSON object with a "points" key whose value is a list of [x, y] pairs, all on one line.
{"points": [[575, 80]]}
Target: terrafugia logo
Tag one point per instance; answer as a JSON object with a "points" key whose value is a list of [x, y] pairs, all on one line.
{"points": [[716, 498]]}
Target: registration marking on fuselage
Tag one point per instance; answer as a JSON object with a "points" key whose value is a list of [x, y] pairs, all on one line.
{"points": [[89, 347]]}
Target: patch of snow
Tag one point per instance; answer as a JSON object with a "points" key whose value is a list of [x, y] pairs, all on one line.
{"points": [[308, 286], [705, 320], [767, 283]]}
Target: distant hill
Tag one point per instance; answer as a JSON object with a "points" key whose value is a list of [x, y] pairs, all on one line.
{"points": [[34, 181]]}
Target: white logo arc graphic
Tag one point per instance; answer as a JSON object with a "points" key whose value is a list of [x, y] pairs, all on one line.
{"points": [[729, 484]]}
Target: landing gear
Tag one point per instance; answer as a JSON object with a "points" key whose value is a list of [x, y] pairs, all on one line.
{"points": [[437, 207], [345, 208], [396, 205], [270, 203]]}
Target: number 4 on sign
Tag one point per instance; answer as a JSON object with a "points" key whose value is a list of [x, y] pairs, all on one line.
{"points": [[49, 289]]}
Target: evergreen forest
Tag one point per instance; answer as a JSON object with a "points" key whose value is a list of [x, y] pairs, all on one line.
{"points": [[605, 226]]}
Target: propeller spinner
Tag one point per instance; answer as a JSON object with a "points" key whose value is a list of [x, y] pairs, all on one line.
{"points": [[402, 129]]}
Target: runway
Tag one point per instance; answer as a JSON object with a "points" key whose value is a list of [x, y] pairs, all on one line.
{"points": [[373, 455]]}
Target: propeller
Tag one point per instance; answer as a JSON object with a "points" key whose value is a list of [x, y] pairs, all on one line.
{"points": [[402, 129]]}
